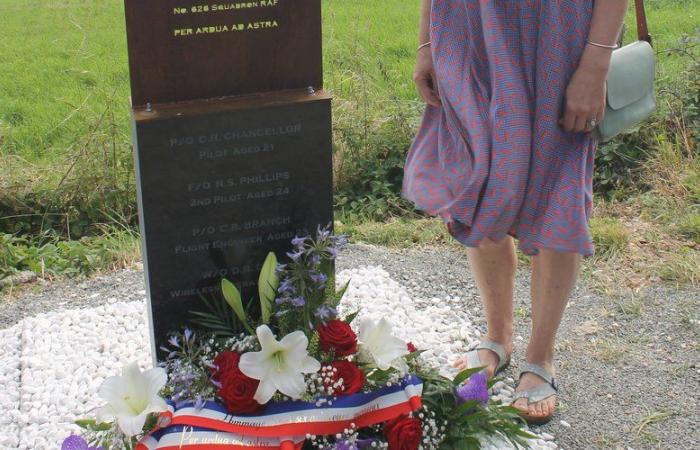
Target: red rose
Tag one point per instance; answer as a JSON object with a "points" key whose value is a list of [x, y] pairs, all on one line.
{"points": [[352, 376], [337, 335], [403, 433], [225, 362], [237, 391], [411, 348]]}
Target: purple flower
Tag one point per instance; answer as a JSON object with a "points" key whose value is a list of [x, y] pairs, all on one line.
{"points": [[280, 268], [319, 278], [295, 255], [171, 354], [324, 232], [474, 388], [74, 442], [286, 286], [326, 313], [340, 241], [188, 334], [298, 301], [332, 251], [299, 241], [174, 341], [345, 445]]}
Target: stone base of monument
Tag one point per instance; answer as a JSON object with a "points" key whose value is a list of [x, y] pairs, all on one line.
{"points": [[220, 184]]}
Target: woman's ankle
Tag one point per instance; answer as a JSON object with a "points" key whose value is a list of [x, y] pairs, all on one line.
{"points": [[545, 360], [504, 338]]}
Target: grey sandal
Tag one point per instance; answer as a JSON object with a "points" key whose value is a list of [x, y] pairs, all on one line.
{"points": [[473, 360], [537, 393]]}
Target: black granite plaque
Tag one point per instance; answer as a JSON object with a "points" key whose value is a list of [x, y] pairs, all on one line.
{"points": [[222, 185]]}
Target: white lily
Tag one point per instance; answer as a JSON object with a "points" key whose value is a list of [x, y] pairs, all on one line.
{"points": [[280, 365], [376, 345], [132, 396]]}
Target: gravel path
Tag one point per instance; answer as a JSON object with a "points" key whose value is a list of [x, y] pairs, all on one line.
{"points": [[628, 368]]}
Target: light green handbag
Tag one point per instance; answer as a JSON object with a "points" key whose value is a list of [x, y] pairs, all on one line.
{"points": [[630, 84]]}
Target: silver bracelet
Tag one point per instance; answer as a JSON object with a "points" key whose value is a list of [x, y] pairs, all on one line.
{"points": [[602, 45], [423, 45]]}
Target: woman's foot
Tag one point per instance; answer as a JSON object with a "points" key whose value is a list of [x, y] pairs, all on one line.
{"points": [[536, 409], [488, 358]]}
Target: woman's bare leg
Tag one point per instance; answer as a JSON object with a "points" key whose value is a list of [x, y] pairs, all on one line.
{"points": [[553, 278], [493, 265]]}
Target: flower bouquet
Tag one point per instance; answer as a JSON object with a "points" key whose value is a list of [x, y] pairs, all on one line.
{"points": [[296, 375]]}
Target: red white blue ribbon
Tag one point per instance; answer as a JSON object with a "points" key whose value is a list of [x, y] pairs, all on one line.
{"points": [[281, 425]]}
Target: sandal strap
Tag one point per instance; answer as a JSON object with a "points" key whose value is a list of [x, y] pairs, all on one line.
{"points": [[536, 394], [498, 349], [541, 372], [473, 360]]}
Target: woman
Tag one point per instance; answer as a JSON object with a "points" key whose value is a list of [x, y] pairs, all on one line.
{"points": [[513, 90]]}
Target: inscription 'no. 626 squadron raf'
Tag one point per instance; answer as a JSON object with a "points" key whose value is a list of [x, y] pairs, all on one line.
{"points": [[217, 7]]}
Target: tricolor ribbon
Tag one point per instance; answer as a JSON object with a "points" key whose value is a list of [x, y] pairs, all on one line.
{"points": [[281, 425]]}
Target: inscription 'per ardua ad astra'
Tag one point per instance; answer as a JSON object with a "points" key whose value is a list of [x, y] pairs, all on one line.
{"points": [[213, 29]]}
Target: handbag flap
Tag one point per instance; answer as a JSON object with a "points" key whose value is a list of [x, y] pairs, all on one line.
{"points": [[631, 74]]}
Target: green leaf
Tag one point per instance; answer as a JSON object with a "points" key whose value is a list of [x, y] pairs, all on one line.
{"points": [[465, 374], [233, 298], [92, 425], [351, 317], [465, 408], [267, 286], [341, 292], [85, 423], [411, 356]]}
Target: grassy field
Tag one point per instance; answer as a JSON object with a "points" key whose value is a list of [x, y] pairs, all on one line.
{"points": [[64, 63], [64, 122]]}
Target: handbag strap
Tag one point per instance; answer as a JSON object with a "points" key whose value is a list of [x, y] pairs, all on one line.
{"points": [[642, 28]]}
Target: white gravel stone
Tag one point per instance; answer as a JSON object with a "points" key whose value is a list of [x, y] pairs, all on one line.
{"points": [[10, 349], [52, 365]]}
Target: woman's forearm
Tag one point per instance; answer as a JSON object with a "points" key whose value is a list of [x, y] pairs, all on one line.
{"points": [[608, 17], [424, 26]]}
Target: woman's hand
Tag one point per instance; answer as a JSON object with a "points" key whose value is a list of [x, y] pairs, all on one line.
{"points": [[424, 77], [585, 95]]}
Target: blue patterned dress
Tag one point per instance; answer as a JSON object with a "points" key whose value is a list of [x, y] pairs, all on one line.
{"points": [[492, 159]]}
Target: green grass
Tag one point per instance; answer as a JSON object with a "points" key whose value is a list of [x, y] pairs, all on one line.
{"points": [[609, 236], [64, 60], [402, 232]]}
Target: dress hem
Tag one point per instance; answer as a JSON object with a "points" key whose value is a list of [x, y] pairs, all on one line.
{"points": [[526, 246]]}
